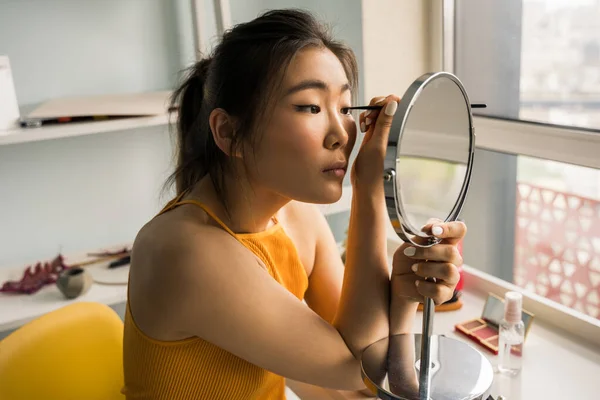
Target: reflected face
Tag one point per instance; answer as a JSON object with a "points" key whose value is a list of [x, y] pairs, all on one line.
{"points": [[303, 152]]}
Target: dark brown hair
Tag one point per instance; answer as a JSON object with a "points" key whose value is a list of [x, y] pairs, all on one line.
{"points": [[241, 76]]}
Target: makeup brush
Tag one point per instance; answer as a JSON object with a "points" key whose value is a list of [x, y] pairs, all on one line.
{"points": [[345, 109]]}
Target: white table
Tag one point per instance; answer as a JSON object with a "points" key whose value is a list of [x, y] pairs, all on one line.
{"points": [[17, 309], [556, 365]]}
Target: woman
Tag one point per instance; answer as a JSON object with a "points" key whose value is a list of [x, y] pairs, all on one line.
{"points": [[217, 279]]}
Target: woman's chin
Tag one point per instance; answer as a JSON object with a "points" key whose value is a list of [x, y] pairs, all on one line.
{"points": [[329, 195], [323, 194]]}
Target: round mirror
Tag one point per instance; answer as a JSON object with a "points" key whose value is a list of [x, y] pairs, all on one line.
{"points": [[427, 172], [429, 156]]}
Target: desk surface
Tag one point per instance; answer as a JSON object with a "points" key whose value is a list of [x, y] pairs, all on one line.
{"points": [[17, 309], [555, 364]]}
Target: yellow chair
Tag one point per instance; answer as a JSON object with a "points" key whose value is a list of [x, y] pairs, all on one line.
{"points": [[73, 353]]}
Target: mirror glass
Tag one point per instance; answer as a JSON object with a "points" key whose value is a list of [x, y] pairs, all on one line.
{"points": [[433, 153]]}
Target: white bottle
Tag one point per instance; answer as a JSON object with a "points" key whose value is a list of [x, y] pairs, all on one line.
{"points": [[512, 335]]}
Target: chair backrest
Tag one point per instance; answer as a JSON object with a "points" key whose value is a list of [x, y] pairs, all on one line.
{"points": [[73, 353]]}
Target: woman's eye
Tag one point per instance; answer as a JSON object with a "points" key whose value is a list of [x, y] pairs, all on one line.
{"points": [[346, 111], [311, 108]]}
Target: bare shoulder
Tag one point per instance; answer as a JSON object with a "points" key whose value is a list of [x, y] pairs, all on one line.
{"points": [[169, 251], [190, 279]]}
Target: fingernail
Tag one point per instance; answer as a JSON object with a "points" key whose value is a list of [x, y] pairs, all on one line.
{"points": [[368, 121], [410, 251], [391, 108], [414, 267], [367, 112], [379, 99], [363, 128], [417, 283], [437, 230]]}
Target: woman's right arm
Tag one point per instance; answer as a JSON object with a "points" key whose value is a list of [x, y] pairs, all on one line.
{"points": [[215, 289]]}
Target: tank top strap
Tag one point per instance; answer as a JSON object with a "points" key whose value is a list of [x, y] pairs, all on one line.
{"points": [[171, 204], [175, 203]]}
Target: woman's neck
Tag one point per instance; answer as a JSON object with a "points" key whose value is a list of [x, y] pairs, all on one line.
{"points": [[249, 211]]}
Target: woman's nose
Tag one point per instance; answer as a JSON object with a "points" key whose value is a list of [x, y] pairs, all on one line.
{"points": [[337, 136]]}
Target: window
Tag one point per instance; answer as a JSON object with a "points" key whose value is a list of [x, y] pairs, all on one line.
{"points": [[560, 62], [534, 201]]}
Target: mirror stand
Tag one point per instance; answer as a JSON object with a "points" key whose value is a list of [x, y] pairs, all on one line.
{"points": [[427, 171], [425, 362]]}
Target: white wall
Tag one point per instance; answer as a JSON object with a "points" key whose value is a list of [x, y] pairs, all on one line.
{"points": [[396, 47], [80, 193], [87, 192]]}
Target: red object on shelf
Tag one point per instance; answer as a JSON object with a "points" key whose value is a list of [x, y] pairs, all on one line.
{"points": [[36, 277]]}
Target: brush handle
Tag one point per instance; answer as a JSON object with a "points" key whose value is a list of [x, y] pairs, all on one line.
{"points": [[362, 108], [345, 109]]}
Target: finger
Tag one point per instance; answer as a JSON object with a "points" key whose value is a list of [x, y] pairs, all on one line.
{"points": [[446, 272], [384, 122], [362, 119], [369, 125], [429, 224], [452, 232], [361, 122], [437, 292], [370, 116], [377, 100], [440, 252]]}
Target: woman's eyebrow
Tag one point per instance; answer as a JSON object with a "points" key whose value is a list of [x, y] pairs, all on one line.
{"points": [[313, 84]]}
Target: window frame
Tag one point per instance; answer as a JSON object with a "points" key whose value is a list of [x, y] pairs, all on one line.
{"points": [[573, 145]]}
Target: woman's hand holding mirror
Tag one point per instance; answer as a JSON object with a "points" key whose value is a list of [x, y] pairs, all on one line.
{"points": [[411, 265]]}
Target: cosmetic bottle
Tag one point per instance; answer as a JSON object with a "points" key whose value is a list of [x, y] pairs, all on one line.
{"points": [[512, 335]]}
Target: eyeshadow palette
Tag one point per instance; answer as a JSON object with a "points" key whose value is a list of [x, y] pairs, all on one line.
{"points": [[484, 330]]}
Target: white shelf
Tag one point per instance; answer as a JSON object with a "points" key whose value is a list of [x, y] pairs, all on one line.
{"points": [[25, 135]]}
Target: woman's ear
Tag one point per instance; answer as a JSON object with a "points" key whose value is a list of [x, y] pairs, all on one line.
{"points": [[222, 126]]}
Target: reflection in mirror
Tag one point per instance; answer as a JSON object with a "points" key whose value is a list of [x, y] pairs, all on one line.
{"points": [[392, 365], [433, 153]]}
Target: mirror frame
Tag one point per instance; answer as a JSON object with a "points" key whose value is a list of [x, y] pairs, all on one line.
{"points": [[393, 200]]}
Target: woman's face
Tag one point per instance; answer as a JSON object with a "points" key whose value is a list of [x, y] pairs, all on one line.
{"points": [[303, 152]]}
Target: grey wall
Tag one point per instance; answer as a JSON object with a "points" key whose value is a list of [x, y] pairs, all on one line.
{"points": [[86, 192]]}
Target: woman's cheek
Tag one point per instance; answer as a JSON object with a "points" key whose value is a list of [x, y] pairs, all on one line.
{"points": [[352, 132]]}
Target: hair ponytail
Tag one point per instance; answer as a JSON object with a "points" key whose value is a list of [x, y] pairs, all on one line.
{"points": [[196, 148]]}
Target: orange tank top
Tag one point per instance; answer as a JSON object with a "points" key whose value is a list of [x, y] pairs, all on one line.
{"points": [[196, 369]]}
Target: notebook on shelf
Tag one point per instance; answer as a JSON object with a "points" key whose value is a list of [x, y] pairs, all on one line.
{"points": [[99, 108]]}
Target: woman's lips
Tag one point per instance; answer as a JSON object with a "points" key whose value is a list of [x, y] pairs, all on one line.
{"points": [[339, 172]]}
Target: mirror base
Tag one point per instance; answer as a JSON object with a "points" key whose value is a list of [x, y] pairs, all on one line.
{"points": [[390, 368]]}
